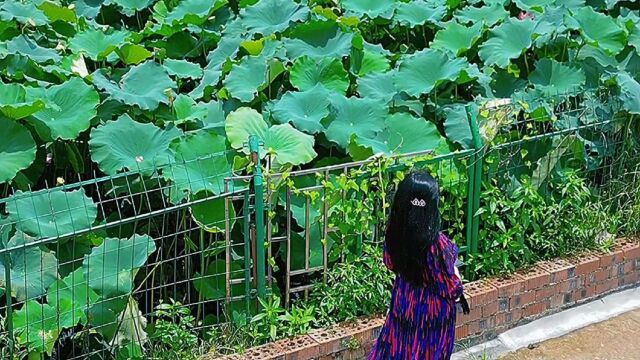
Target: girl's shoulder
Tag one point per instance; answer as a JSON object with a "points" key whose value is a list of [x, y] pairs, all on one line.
{"points": [[446, 244]]}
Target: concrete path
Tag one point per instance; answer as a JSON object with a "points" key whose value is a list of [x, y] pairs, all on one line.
{"points": [[615, 339], [605, 329]]}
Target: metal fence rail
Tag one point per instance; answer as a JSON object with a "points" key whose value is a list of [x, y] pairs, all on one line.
{"points": [[84, 265]]}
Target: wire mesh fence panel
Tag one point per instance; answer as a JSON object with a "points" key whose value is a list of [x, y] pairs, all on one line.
{"points": [[85, 266], [321, 216]]}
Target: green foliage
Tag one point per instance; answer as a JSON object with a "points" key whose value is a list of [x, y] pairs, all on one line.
{"points": [[174, 336]]}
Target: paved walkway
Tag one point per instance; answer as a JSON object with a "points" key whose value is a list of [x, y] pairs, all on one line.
{"points": [[614, 339]]}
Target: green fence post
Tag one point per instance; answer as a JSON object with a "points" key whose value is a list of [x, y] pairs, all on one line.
{"points": [[258, 188], [8, 302], [478, 159]]}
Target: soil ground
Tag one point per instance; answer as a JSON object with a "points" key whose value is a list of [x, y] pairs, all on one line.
{"points": [[614, 339]]}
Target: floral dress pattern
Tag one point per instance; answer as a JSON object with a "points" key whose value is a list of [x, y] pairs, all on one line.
{"points": [[421, 323]]}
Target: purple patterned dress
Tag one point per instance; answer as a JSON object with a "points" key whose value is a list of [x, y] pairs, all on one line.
{"points": [[421, 324]]}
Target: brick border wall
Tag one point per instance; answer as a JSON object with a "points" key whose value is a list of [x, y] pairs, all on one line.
{"points": [[497, 305]]}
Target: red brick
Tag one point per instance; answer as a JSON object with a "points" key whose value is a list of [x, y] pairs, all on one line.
{"points": [[503, 319], [545, 292], [534, 309], [508, 287], [474, 327], [602, 275], [480, 292], [524, 299], [629, 266], [586, 263], [516, 315], [569, 285], [490, 309], [462, 332], [299, 347], [606, 286], [618, 256], [606, 259], [535, 278], [632, 278], [632, 251], [559, 269], [557, 301], [475, 313]]}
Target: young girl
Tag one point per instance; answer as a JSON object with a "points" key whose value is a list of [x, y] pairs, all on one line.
{"points": [[422, 317]]}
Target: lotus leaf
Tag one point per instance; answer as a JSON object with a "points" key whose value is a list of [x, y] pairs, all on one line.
{"points": [[489, 15], [25, 46], [271, 16], [361, 117], [379, 86], [306, 73], [71, 297], [600, 30], [318, 40], [508, 40], [629, 93], [22, 13], [210, 213], [112, 266], [246, 78], [52, 213], [417, 12], [305, 109], [73, 106], [457, 38], [413, 78], [456, 126], [17, 151], [96, 44], [32, 270], [124, 144], [14, 102], [183, 69], [554, 78], [36, 327], [372, 8], [212, 284], [145, 85]]}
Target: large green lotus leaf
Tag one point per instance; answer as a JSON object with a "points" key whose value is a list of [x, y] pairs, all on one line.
{"points": [[457, 38], [183, 69], [49, 214], [210, 79], [111, 267], [241, 124], [370, 59], [271, 16], [489, 15], [200, 164], [304, 109], [354, 116], [210, 213], [318, 39], [600, 30], [214, 118], [371, 8], [533, 5], [456, 126], [378, 86], [124, 144], [284, 143], [133, 54], [96, 44], [417, 13], [186, 110], [58, 12], [508, 40], [212, 284], [246, 78], [36, 327], [32, 270], [17, 150], [145, 85], [554, 78], [629, 93], [194, 12], [289, 146], [404, 133], [129, 7], [421, 72], [72, 107], [14, 102], [25, 46], [22, 13], [306, 73], [71, 297]]}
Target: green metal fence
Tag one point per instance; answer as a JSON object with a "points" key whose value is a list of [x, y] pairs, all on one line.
{"points": [[84, 265]]}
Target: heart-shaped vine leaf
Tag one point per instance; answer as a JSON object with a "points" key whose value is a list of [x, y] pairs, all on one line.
{"points": [[415, 81], [284, 143], [307, 73], [508, 40], [52, 213], [72, 107], [304, 109], [112, 266], [271, 16], [124, 144], [145, 85], [32, 270], [353, 116], [17, 151]]}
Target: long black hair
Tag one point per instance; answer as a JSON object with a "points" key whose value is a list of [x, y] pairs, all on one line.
{"points": [[414, 225]]}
